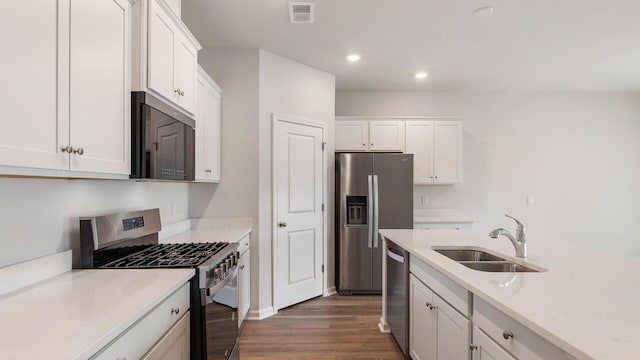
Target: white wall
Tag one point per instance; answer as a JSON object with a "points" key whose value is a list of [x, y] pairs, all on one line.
{"points": [[236, 72], [256, 84], [292, 89], [578, 154], [40, 216]]}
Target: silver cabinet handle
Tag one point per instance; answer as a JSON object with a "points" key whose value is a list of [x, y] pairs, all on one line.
{"points": [[282, 224], [181, 93], [175, 310], [242, 267], [207, 171], [507, 335], [78, 151], [67, 148], [177, 91], [473, 347]]}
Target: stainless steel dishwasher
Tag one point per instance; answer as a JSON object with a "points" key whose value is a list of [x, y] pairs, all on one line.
{"points": [[398, 295]]}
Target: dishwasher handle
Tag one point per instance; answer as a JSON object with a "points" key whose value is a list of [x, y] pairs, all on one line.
{"points": [[396, 257]]}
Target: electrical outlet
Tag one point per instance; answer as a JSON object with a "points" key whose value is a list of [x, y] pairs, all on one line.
{"points": [[174, 208]]}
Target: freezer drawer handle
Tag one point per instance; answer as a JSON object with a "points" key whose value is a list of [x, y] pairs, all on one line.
{"points": [[395, 257]]}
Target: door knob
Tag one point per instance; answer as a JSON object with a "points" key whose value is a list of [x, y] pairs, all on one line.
{"points": [[282, 224]]}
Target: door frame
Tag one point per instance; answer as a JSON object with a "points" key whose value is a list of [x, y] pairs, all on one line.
{"points": [[276, 120]]}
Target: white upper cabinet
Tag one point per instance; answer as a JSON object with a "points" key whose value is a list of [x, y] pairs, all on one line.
{"points": [[167, 59], [352, 135], [437, 149], [70, 94], [386, 135], [207, 129], [35, 126], [369, 135], [99, 89]]}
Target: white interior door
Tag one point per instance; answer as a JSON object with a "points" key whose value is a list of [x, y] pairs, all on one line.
{"points": [[299, 219]]}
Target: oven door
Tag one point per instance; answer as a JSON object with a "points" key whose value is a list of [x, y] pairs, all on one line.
{"points": [[221, 318]]}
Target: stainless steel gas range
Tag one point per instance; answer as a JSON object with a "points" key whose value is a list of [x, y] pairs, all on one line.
{"points": [[130, 240]]}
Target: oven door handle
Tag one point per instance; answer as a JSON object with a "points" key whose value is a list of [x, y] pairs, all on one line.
{"points": [[209, 292]]}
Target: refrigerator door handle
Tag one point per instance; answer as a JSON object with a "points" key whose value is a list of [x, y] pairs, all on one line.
{"points": [[370, 212], [375, 211]]}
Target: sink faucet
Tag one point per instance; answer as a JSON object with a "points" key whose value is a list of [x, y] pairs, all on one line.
{"points": [[519, 242]]}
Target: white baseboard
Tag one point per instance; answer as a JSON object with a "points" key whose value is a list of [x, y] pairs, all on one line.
{"points": [[260, 314], [330, 291], [16, 276], [383, 326]]}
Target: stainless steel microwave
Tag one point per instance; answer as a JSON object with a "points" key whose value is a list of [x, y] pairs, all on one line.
{"points": [[162, 140]]}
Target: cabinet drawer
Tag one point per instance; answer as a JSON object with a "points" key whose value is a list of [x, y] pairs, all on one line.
{"points": [[243, 245], [524, 344], [141, 336], [448, 290]]}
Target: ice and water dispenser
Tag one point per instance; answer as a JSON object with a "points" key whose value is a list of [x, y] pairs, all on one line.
{"points": [[356, 210]]}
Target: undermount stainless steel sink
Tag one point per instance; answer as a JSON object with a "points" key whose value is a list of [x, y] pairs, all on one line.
{"points": [[481, 260], [463, 254], [497, 266]]}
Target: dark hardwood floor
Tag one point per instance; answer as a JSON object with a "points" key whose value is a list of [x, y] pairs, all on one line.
{"points": [[335, 327]]}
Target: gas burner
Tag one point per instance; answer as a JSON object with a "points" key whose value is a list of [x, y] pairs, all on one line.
{"points": [[167, 255]]}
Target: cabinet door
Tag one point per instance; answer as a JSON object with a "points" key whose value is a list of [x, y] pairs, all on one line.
{"points": [[100, 88], [422, 327], [175, 344], [185, 73], [35, 124], [448, 152], [419, 142], [386, 135], [207, 131], [487, 349], [453, 332], [352, 135], [244, 286], [162, 38]]}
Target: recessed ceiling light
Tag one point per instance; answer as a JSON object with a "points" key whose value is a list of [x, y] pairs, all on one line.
{"points": [[483, 11], [421, 75], [353, 57]]}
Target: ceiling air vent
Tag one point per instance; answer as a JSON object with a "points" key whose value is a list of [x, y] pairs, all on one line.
{"points": [[300, 12]]}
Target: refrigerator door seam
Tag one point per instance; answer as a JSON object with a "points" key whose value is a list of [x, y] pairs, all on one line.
{"points": [[370, 212], [375, 211]]}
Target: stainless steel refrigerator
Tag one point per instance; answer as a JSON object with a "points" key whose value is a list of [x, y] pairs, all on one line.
{"points": [[373, 191]]}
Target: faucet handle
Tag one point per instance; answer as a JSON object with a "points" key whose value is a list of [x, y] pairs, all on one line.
{"points": [[520, 232]]}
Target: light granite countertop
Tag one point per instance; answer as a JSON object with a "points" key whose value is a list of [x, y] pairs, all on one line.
{"points": [[586, 303], [75, 314]]}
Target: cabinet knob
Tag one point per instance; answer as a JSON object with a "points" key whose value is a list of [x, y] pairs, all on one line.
{"points": [[179, 92], [242, 267], [282, 224], [371, 144], [175, 310], [67, 148], [473, 347], [207, 171], [78, 151], [507, 335]]}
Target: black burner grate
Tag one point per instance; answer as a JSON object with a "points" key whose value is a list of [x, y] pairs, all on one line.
{"points": [[169, 255]]}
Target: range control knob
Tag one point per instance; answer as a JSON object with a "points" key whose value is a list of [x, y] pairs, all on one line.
{"points": [[217, 273], [234, 260], [229, 264], [223, 267]]}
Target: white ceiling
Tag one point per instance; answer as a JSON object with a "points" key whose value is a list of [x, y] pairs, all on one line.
{"points": [[561, 45]]}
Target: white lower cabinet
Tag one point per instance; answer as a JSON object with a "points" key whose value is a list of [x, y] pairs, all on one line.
{"points": [[175, 344], [244, 291], [486, 349], [515, 338], [244, 280], [158, 324], [437, 330]]}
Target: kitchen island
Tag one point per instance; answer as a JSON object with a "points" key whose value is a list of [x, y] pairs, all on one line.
{"points": [[585, 303]]}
